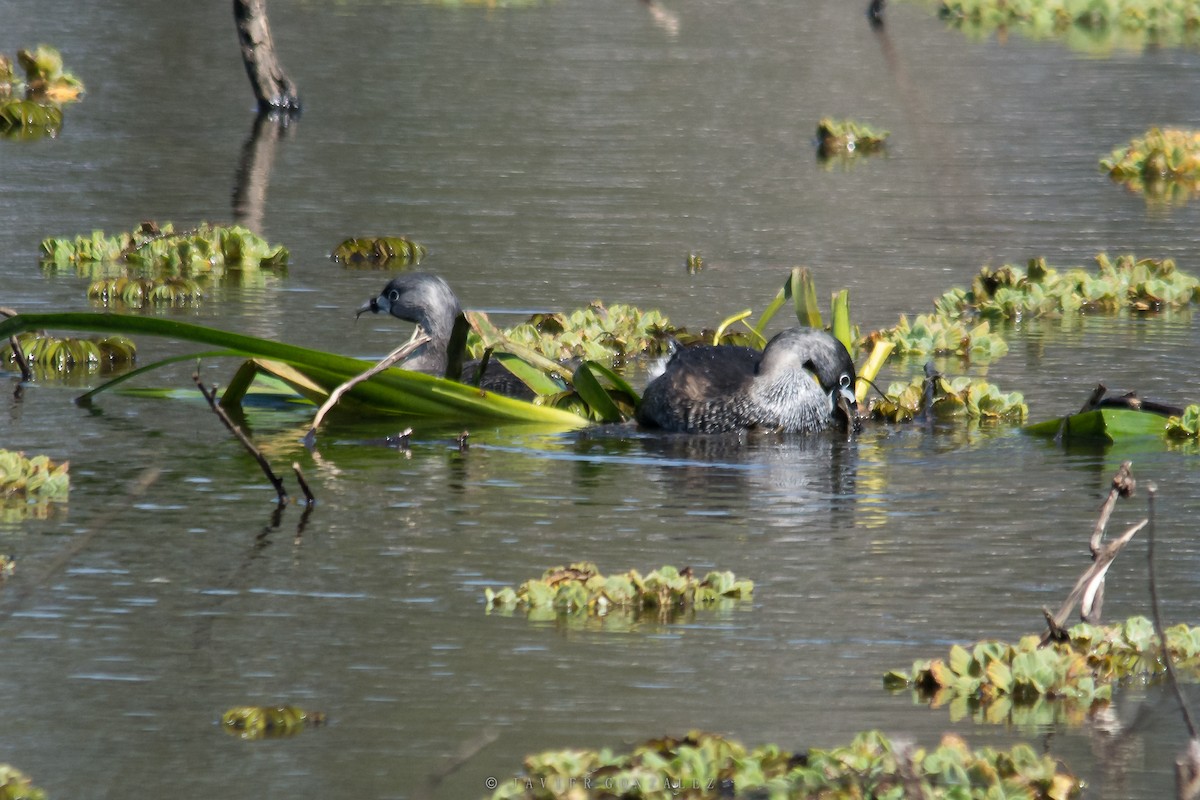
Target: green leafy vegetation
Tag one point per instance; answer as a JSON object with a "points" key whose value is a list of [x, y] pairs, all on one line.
{"points": [[1105, 424], [1163, 165], [942, 397], [844, 137], [612, 334], [1000, 682], [381, 251], [1128, 283], [1185, 426], [156, 265], [30, 107], [312, 373], [28, 486], [936, 335], [7, 568], [268, 722], [30, 479], [15, 785], [581, 589], [1094, 26], [704, 765], [64, 355]]}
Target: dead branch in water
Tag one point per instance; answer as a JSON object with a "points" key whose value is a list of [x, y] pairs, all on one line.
{"points": [[1088, 591], [211, 396], [18, 353], [399, 354]]}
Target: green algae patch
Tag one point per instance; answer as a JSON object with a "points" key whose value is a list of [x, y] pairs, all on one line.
{"points": [[380, 251], [1092, 26], [841, 137], [31, 107], [15, 785], [580, 589], [53, 354], [953, 397], [1028, 682], [704, 765], [1163, 165], [269, 722], [156, 265]]}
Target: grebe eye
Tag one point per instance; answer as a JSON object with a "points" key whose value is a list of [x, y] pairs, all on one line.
{"points": [[394, 295], [844, 380]]}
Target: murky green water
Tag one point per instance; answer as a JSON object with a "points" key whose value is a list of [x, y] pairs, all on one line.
{"points": [[549, 156]]}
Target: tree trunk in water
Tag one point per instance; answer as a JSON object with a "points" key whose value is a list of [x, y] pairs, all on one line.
{"points": [[272, 87]]}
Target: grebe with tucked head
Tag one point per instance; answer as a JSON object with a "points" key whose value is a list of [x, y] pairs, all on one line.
{"points": [[801, 382]]}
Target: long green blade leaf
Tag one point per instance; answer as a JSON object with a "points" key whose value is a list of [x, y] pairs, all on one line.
{"points": [[394, 391]]}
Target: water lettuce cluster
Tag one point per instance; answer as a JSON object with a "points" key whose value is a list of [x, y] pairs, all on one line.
{"points": [[32, 479], [942, 397], [845, 136], [939, 335], [1128, 283], [15, 785], [31, 107], [581, 589], [156, 265], [1088, 25], [997, 681], [1163, 164], [1185, 426], [268, 722], [380, 251], [64, 355], [705, 765], [609, 334]]}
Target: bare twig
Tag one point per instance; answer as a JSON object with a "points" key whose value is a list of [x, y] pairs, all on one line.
{"points": [[1123, 485], [469, 750], [211, 397], [308, 495], [1151, 491], [18, 353], [398, 354]]}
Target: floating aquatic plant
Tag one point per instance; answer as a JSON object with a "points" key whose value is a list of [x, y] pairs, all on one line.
{"points": [[1163, 164], [63, 355], [7, 568], [995, 680], [32, 479], [15, 785], [1130, 283], [268, 722], [1091, 25], [847, 137], [704, 765], [581, 589], [1186, 425], [942, 397], [45, 87], [609, 334], [382, 251], [162, 265], [935, 335]]}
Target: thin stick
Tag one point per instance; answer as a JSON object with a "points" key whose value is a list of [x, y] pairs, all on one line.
{"points": [[211, 397], [396, 355], [1151, 491], [18, 353], [1088, 587], [1123, 485], [308, 495]]}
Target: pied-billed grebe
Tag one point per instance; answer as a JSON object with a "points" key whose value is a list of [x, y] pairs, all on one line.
{"points": [[798, 383], [429, 301]]}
